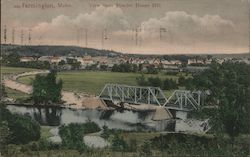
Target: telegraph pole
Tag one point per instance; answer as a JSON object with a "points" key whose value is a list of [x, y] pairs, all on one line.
{"points": [[137, 35], [5, 34], [13, 36], [22, 36], [86, 37], [29, 38]]}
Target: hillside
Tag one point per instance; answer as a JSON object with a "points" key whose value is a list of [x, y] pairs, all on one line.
{"points": [[47, 50]]}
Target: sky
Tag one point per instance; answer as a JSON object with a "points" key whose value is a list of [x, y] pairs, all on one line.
{"points": [[130, 26]]}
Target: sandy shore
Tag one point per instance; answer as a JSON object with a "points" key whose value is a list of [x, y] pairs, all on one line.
{"points": [[71, 99]]}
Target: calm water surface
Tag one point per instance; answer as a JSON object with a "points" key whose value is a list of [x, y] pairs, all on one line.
{"points": [[54, 116]]}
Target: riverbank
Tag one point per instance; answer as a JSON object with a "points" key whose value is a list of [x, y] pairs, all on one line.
{"points": [[70, 99]]}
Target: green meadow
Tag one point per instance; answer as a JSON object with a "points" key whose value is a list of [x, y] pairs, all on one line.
{"points": [[92, 82]]}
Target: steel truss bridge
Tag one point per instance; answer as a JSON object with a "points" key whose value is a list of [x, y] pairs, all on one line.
{"points": [[182, 100]]}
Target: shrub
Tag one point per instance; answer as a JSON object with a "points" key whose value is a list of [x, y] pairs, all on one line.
{"points": [[23, 129]]}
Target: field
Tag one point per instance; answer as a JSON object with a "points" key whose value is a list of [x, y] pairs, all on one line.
{"points": [[93, 82], [14, 70]]}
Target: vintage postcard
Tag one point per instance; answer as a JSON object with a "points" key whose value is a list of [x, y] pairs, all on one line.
{"points": [[125, 78]]}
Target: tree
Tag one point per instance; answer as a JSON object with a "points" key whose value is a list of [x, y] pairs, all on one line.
{"points": [[72, 134], [118, 143], [5, 136], [145, 150], [141, 80], [154, 81], [152, 70], [22, 128], [181, 80], [2, 91], [62, 62], [169, 84], [47, 88], [229, 85]]}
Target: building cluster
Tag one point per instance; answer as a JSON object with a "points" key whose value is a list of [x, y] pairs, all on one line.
{"points": [[172, 65]]}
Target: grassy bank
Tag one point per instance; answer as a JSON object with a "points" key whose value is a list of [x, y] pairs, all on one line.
{"points": [[11, 93], [14, 70], [92, 82]]}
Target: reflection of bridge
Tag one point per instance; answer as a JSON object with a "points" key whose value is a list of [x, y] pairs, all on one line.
{"points": [[183, 100]]}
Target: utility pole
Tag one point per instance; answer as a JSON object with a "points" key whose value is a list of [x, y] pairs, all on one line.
{"points": [[104, 36], [86, 37], [137, 35], [77, 36], [29, 38], [13, 36], [22, 36], [162, 30], [5, 34]]}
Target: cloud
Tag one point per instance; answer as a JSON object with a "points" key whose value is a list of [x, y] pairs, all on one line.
{"points": [[64, 27], [176, 31], [102, 17], [180, 26]]}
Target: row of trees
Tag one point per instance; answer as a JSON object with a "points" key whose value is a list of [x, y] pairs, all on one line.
{"points": [[165, 84], [125, 67], [128, 67]]}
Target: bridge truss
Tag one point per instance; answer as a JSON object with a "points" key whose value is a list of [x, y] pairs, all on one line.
{"points": [[179, 100]]}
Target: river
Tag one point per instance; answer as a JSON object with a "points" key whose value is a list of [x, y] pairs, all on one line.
{"points": [[113, 119]]}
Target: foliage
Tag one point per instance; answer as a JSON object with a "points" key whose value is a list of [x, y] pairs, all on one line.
{"points": [[229, 85], [72, 134], [5, 136], [145, 150], [75, 65], [197, 145], [47, 88], [23, 129], [152, 70], [132, 145], [125, 67], [103, 67], [154, 81], [118, 143], [141, 80], [169, 84], [166, 84], [2, 91]]}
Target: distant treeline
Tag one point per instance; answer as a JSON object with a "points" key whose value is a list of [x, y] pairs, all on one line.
{"points": [[46, 50]]}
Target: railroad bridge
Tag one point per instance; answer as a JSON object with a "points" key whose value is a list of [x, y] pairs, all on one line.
{"points": [[182, 100]]}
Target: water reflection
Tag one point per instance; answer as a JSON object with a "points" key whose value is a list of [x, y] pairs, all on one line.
{"points": [[54, 116]]}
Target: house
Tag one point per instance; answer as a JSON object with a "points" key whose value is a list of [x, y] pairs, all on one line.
{"points": [[195, 61], [27, 59], [55, 59], [87, 60], [51, 59], [100, 59]]}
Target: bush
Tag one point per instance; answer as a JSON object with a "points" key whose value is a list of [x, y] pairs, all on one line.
{"points": [[23, 129], [118, 143], [145, 150], [72, 134], [195, 145]]}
